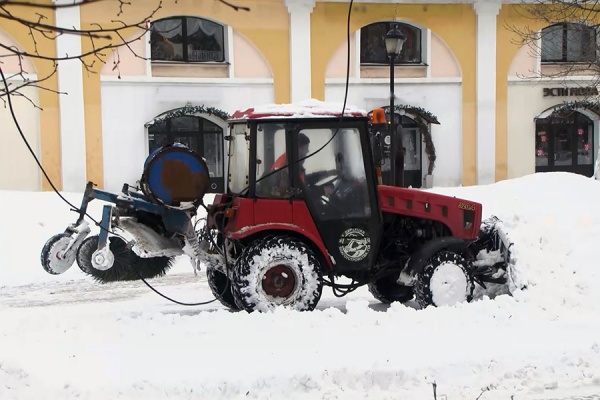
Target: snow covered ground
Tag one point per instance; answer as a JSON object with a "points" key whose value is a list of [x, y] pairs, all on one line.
{"points": [[64, 337]]}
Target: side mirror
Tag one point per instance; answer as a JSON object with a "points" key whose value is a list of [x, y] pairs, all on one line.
{"points": [[377, 148], [378, 123]]}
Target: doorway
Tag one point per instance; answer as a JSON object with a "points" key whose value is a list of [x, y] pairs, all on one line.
{"points": [[565, 142], [408, 136], [413, 171]]}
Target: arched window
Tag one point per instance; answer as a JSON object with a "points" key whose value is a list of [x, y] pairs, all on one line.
{"points": [[197, 133], [372, 44], [567, 42], [187, 39]]}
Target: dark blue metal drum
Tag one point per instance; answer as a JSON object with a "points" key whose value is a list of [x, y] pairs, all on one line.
{"points": [[175, 176]]}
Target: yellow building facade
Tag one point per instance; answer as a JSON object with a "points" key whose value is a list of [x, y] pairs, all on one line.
{"points": [[465, 67]]}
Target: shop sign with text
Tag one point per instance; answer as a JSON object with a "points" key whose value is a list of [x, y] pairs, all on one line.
{"points": [[575, 91]]}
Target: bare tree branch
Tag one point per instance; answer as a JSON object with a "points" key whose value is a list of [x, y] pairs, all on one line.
{"points": [[99, 41], [236, 8], [118, 34], [567, 22]]}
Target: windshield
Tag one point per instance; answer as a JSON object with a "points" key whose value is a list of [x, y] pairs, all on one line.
{"points": [[330, 167], [334, 173], [239, 155]]}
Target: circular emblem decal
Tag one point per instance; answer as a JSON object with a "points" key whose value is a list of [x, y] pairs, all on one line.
{"points": [[387, 140], [354, 244]]}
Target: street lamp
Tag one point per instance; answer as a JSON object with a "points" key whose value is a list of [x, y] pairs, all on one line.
{"points": [[394, 40]]}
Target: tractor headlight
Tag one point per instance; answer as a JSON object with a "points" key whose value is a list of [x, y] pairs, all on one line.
{"points": [[468, 217]]}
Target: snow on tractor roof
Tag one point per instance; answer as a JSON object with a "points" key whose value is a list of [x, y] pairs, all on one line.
{"points": [[305, 109]]}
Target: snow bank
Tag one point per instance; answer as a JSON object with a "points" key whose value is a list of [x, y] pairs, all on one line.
{"points": [[554, 222], [552, 218], [68, 337]]}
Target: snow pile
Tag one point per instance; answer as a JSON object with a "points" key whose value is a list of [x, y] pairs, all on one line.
{"points": [[137, 348], [555, 224], [306, 108], [68, 337]]}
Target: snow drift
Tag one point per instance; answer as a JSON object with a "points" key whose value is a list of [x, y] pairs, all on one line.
{"points": [[66, 336]]}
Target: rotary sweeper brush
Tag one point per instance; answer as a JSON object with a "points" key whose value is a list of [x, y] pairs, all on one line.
{"points": [[303, 208]]}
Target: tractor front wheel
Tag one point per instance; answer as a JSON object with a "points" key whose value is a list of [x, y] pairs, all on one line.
{"points": [[221, 287], [276, 272], [387, 290], [446, 280]]}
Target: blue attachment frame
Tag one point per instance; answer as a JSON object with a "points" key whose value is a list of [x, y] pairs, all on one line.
{"points": [[104, 227], [174, 220], [138, 195]]}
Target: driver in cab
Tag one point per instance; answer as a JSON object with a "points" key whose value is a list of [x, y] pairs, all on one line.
{"points": [[282, 182]]}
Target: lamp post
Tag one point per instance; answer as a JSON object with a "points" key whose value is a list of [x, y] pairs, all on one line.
{"points": [[394, 40]]}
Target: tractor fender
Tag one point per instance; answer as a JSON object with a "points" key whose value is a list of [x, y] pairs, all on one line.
{"points": [[419, 258], [309, 237]]}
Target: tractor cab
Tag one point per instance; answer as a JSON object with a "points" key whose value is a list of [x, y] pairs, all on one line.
{"points": [[305, 169]]}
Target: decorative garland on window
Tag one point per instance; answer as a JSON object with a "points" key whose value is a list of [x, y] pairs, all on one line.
{"points": [[423, 118], [189, 110], [570, 106]]}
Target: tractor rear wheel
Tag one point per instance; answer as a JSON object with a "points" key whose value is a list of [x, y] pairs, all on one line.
{"points": [[446, 280], [278, 271], [387, 290], [221, 287]]}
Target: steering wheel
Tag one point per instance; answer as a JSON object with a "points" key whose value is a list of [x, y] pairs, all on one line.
{"points": [[328, 178], [319, 185], [318, 191], [347, 193]]}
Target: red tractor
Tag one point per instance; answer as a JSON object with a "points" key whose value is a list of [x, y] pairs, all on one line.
{"points": [[304, 209]]}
